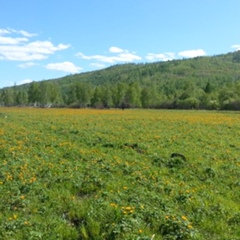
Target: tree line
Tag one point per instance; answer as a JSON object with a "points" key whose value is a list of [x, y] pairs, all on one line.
{"points": [[124, 95], [199, 83]]}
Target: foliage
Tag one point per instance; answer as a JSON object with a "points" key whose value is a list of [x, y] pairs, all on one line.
{"points": [[198, 83], [113, 174]]}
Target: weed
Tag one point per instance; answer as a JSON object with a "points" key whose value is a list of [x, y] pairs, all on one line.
{"points": [[151, 175]]}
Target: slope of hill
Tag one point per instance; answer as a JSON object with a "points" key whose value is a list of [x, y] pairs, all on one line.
{"points": [[202, 82]]}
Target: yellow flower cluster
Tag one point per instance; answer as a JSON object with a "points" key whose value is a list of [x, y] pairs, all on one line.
{"points": [[128, 210], [113, 205]]}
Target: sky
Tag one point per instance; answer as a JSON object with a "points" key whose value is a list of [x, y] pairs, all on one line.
{"points": [[47, 39]]}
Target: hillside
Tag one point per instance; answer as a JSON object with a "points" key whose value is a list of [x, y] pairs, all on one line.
{"points": [[202, 82]]}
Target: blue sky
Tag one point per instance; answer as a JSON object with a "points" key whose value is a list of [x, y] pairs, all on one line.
{"points": [[45, 39]]}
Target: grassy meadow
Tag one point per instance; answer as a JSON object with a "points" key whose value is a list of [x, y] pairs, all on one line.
{"points": [[112, 174]]}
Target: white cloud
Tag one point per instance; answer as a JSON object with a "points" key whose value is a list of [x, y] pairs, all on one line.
{"points": [[20, 54], [27, 65], [123, 57], [4, 31], [25, 81], [98, 65], [64, 66], [20, 32], [115, 50], [192, 53], [236, 47], [160, 56], [16, 48], [10, 40], [128, 57], [119, 56], [45, 47], [27, 34]]}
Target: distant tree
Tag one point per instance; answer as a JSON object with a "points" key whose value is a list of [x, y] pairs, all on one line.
{"points": [[97, 98], [150, 97], [189, 90], [226, 96], [114, 91], [121, 95], [54, 93], [83, 94], [145, 97], [188, 103], [107, 99], [236, 56], [34, 93], [133, 95], [22, 98], [8, 97], [70, 97], [44, 96], [237, 89], [209, 87]]}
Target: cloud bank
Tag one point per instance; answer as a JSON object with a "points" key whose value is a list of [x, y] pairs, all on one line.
{"points": [[64, 67], [160, 56], [19, 47], [192, 53], [25, 81], [118, 55], [171, 55]]}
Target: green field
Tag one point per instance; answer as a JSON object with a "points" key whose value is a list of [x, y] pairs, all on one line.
{"points": [[110, 174]]}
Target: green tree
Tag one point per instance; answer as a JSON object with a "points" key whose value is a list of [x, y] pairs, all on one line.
{"points": [[54, 93], [8, 97], [97, 99], [188, 103], [84, 94], [121, 95], [189, 90], [70, 97], [22, 98], [146, 97], [209, 87], [34, 93], [44, 97], [133, 95], [107, 96], [226, 96], [150, 97]]}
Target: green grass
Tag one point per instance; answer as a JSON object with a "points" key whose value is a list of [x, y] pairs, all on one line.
{"points": [[109, 174]]}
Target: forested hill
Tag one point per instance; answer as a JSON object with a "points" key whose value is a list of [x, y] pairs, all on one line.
{"points": [[200, 83]]}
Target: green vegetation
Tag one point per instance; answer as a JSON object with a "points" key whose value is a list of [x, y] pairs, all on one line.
{"points": [[199, 83], [113, 174]]}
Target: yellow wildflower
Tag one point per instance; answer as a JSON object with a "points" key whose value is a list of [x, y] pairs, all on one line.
{"points": [[190, 226], [128, 208], [184, 218]]}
